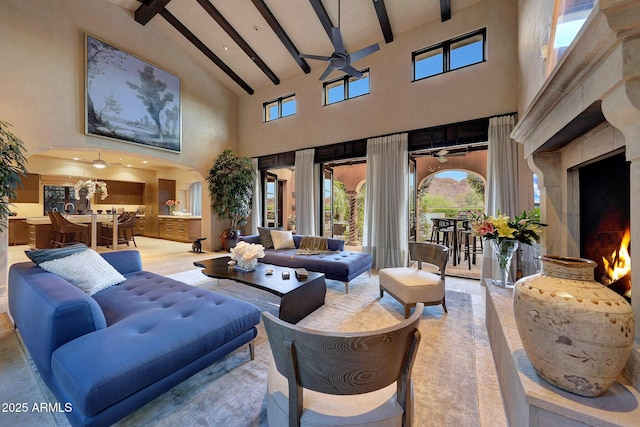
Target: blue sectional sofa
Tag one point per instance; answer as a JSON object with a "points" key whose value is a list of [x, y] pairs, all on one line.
{"points": [[336, 264], [106, 355]]}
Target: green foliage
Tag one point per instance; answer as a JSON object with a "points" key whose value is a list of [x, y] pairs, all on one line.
{"points": [[231, 188], [476, 183], [340, 201], [12, 169]]}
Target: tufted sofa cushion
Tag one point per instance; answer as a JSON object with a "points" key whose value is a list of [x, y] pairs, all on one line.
{"points": [[156, 326], [342, 265]]}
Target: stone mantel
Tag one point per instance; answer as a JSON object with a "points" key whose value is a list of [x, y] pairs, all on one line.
{"points": [[602, 58]]}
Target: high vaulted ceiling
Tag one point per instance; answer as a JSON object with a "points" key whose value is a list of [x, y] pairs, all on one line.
{"points": [[250, 44]]}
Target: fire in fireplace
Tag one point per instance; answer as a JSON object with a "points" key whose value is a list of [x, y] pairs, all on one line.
{"points": [[605, 220]]}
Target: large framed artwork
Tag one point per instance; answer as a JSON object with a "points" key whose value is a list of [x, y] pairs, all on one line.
{"points": [[131, 100]]}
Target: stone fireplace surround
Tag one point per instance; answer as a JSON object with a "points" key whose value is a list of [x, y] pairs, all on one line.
{"points": [[588, 109]]}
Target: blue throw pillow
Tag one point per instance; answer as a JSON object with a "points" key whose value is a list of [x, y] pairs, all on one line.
{"points": [[42, 255]]}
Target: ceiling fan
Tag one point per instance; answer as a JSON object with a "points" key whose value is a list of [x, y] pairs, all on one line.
{"points": [[442, 155], [340, 59]]}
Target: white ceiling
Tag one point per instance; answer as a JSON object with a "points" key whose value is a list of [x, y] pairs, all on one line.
{"points": [[358, 23]]}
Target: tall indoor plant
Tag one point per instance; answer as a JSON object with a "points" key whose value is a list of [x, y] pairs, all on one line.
{"points": [[12, 169], [231, 181]]}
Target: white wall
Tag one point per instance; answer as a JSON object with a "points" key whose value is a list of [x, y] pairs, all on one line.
{"points": [[42, 82], [534, 23], [395, 103]]}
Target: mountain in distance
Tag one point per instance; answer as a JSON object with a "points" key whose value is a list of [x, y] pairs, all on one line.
{"points": [[449, 187]]}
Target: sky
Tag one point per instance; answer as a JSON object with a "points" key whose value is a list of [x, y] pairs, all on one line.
{"points": [[457, 175]]}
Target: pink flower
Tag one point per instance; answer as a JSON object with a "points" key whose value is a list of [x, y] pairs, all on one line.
{"points": [[483, 228]]}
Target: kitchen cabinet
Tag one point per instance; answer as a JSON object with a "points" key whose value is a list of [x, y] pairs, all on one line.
{"points": [[18, 231], [124, 193], [180, 229], [139, 226], [29, 192]]}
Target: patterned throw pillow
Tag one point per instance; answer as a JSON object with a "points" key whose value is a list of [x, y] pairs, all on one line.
{"points": [[87, 270], [265, 237]]}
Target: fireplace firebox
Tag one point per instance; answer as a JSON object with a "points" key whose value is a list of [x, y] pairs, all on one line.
{"points": [[605, 220]]}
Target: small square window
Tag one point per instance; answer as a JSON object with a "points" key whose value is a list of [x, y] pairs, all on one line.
{"points": [[288, 106], [467, 52], [281, 107], [429, 63], [359, 86], [346, 87]]}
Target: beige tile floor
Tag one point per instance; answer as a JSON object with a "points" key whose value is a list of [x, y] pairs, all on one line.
{"points": [[165, 257]]}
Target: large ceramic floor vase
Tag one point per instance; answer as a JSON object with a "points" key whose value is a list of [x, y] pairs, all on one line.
{"points": [[577, 333]]}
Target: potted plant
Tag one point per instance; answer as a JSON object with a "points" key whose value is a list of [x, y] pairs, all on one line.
{"points": [[12, 169], [231, 182]]}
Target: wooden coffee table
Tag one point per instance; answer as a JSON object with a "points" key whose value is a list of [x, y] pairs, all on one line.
{"points": [[298, 298]]}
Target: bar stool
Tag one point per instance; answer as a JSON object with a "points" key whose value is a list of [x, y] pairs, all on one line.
{"points": [[66, 232]]}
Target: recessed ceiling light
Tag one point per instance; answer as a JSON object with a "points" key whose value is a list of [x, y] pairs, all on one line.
{"points": [[76, 158], [225, 47], [256, 28], [145, 162], [128, 166]]}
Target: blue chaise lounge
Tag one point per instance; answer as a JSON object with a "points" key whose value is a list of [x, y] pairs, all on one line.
{"points": [[106, 355]]}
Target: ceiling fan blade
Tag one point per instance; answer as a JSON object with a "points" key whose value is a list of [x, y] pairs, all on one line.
{"points": [[359, 54], [336, 38], [441, 159], [326, 72], [352, 71], [442, 152], [316, 57]]}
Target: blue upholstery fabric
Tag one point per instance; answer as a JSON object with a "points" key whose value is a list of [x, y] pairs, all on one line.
{"points": [[49, 312], [338, 265], [156, 325]]}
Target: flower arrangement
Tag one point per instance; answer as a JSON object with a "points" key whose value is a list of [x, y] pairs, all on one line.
{"points": [[92, 187], [525, 228], [172, 203], [246, 255]]}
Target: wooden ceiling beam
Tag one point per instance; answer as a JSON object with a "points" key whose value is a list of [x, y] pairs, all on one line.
{"points": [[282, 35], [385, 25], [323, 16], [226, 26], [148, 10], [445, 10], [204, 49]]}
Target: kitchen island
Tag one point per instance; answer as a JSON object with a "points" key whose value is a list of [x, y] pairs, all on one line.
{"points": [[40, 230], [170, 227]]}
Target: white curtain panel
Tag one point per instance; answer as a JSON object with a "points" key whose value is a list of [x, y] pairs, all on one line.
{"points": [[256, 202], [306, 191], [194, 201], [386, 202], [502, 181]]}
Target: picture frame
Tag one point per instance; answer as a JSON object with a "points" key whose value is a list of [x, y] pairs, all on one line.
{"points": [[129, 99]]}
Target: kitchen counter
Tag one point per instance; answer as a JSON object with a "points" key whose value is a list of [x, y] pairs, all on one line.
{"points": [[39, 228], [78, 219]]}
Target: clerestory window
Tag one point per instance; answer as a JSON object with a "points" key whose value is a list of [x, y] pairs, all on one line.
{"points": [[450, 55], [278, 108], [346, 87]]}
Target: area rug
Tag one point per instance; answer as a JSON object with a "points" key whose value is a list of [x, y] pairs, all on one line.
{"points": [[231, 392]]}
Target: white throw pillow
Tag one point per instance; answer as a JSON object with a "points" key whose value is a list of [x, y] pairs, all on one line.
{"points": [[282, 239], [87, 270]]}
